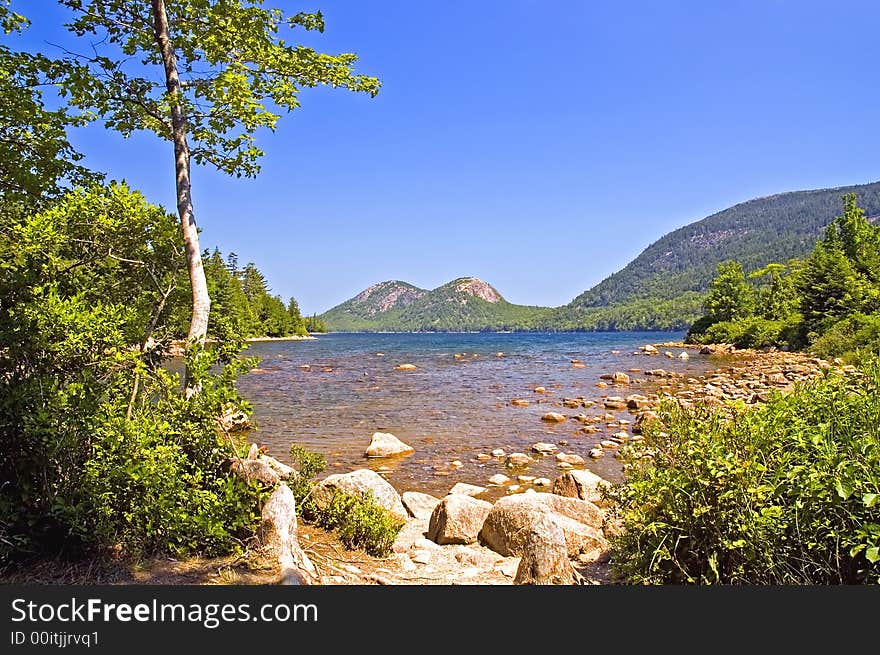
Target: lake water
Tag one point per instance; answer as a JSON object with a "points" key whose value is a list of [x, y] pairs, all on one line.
{"points": [[447, 409]]}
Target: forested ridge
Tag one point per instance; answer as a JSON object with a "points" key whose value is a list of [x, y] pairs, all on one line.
{"points": [[661, 289]]}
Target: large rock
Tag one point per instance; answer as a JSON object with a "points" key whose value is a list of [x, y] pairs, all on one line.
{"points": [[278, 534], [419, 505], [544, 448], [457, 519], [356, 484], [553, 417], [619, 377], [284, 471], [385, 444], [509, 522], [545, 555], [581, 484]]}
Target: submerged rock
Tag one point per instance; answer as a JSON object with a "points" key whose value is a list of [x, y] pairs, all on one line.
{"points": [[553, 417], [517, 460], [544, 448], [570, 458]]}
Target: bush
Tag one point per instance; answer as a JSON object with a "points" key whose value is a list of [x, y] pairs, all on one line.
{"points": [[788, 493], [856, 338], [359, 521], [751, 332], [309, 465], [98, 447]]}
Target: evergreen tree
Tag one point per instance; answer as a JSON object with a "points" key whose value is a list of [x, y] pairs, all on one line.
{"points": [[730, 296]]}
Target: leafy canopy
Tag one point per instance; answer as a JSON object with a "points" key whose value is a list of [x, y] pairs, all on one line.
{"points": [[237, 72], [36, 156]]}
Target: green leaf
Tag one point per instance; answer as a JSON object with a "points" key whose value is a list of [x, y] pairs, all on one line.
{"points": [[844, 489], [873, 554], [870, 499]]}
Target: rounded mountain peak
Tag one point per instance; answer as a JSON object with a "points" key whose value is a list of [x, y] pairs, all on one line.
{"points": [[474, 286]]}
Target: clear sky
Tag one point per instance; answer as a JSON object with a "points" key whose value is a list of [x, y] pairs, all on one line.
{"points": [[537, 144]]}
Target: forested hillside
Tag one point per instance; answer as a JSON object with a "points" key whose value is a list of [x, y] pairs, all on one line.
{"points": [[770, 229], [464, 304]]}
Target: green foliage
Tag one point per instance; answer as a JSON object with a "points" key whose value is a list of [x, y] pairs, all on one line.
{"points": [[783, 494], [242, 305], [309, 465], [774, 228], [856, 339], [730, 297], [361, 523], [98, 447], [842, 275], [751, 332], [314, 324], [808, 304], [37, 158], [237, 72]]}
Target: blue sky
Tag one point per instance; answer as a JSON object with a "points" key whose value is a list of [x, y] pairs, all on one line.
{"points": [[537, 144]]}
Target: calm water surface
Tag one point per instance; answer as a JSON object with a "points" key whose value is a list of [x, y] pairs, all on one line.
{"points": [[447, 409]]}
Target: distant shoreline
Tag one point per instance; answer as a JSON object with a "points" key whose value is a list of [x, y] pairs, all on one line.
{"points": [[293, 337]]}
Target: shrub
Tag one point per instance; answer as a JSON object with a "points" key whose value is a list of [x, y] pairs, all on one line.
{"points": [[309, 465], [98, 447], [855, 338], [786, 493], [359, 520], [361, 523], [751, 332]]}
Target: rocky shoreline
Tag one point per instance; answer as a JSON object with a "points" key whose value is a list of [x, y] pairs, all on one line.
{"points": [[540, 531]]}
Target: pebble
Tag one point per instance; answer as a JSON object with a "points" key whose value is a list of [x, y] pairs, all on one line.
{"points": [[542, 482], [499, 479], [498, 452]]}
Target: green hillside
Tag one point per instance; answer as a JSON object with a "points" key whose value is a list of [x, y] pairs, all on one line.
{"points": [[661, 289], [663, 286], [465, 304]]}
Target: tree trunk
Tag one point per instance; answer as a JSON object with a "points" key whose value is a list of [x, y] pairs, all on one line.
{"points": [[201, 301]]}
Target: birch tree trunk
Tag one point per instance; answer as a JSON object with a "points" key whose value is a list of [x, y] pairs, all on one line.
{"points": [[201, 301]]}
